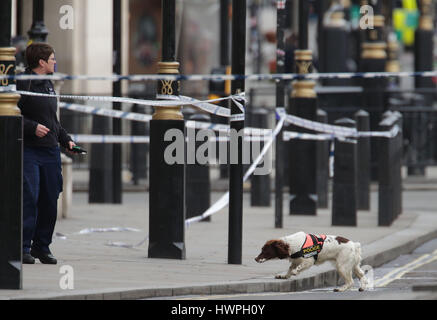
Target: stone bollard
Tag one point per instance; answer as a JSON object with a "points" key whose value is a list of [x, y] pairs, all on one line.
{"points": [[198, 186], [363, 161], [66, 197], [344, 204], [260, 184], [322, 155]]}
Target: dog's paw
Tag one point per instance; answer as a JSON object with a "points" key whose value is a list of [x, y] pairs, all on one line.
{"points": [[280, 276]]}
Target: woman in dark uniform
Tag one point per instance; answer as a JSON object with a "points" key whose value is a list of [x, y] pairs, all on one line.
{"points": [[42, 176]]}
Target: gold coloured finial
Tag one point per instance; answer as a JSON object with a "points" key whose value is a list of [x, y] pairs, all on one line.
{"points": [[304, 65], [425, 20], [392, 64], [8, 101], [168, 87]]}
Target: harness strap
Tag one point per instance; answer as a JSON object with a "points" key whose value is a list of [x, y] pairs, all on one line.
{"points": [[315, 241]]}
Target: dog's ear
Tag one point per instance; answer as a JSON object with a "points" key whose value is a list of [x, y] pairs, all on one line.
{"points": [[282, 249]]}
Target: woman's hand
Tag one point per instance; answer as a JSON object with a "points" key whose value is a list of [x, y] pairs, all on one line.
{"points": [[41, 131], [71, 144]]}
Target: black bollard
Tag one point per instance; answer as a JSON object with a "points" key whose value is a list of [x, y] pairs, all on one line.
{"points": [[281, 15], [11, 163], [139, 152], [303, 103], [167, 169], [302, 153], [100, 178], [117, 150], [322, 165], [423, 49], [418, 139], [398, 164], [344, 204], [363, 161], [334, 53], [11, 168], [198, 186], [260, 184], [386, 195], [235, 224], [373, 59]]}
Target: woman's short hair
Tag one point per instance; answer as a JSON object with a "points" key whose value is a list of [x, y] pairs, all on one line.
{"points": [[37, 51]]}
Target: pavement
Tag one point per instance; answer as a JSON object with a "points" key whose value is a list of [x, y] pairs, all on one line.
{"points": [[97, 270]]}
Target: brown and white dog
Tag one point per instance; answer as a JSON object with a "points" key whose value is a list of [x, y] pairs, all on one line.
{"points": [[305, 250]]}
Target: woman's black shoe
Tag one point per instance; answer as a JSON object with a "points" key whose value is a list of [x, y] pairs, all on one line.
{"points": [[28, 259], [46, 258]]}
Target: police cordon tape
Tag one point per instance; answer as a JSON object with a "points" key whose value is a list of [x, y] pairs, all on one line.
{"points": [[308, 124], [331, 130], [287, 136], [223, 77], [337, 131], [97, 138], [204, 105], [175, 101], [224, 200], [146, 118]]}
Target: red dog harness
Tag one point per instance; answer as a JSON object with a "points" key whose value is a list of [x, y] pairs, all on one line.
{"points": [[311, 247]]}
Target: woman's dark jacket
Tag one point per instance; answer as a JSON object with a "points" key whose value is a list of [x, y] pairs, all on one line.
{"points": [[40, 110]]}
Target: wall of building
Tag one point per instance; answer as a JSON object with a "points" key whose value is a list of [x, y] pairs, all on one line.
{"points": [[85, 49]]}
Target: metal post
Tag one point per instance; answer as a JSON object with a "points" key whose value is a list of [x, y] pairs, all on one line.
{"points": [[224, 33], [386, 195], [321, 7], [260, 184], [344, 204], [303, 24], [38, 32], [219, 89], [139, 152], [11, 163], [280, 102], [100, 173], [235, 236], [423, 48], [363, 162], [423, 61], [167, 180], [117, 183], [322, 157], [373, 59], [335, 47], [198, 186], [399, 157], [303, 103]]}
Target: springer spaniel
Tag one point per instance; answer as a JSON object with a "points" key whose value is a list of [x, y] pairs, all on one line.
{"points": [[305, 250]]}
